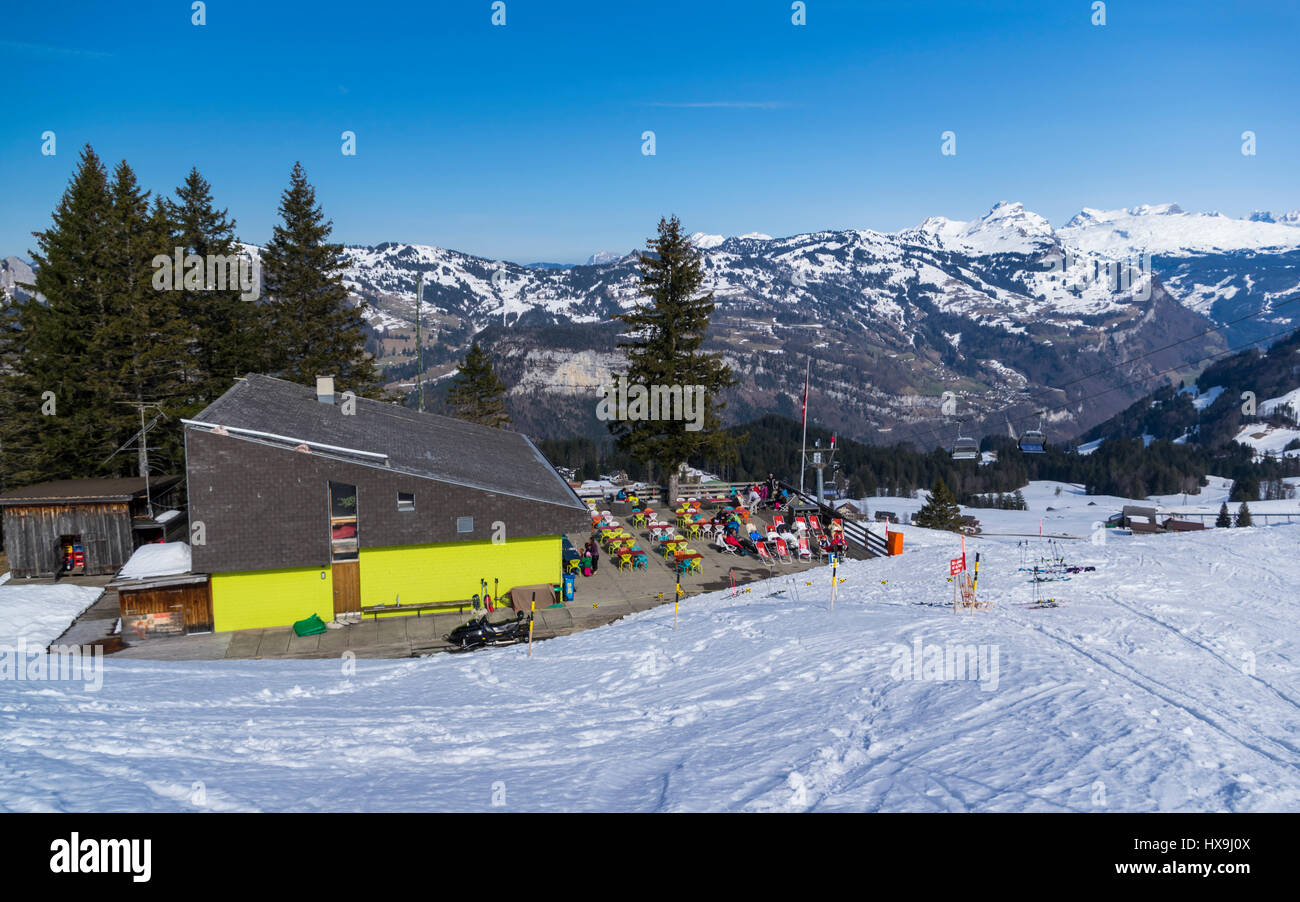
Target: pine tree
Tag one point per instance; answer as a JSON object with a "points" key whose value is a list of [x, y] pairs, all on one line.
{"points": [[663, 340], [145, 342], [52, 391], [1243, 515], [315, 330], [477, 394], [1224, 519], [229, 329], [104, 340], [941, 511]]}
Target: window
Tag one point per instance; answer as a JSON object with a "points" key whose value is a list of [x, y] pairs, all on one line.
{"points": [[344, 545], [464, 524], [406, 501]]}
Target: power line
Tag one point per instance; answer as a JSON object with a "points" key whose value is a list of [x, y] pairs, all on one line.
{"points": [[1139, 381], [1134, 359]]}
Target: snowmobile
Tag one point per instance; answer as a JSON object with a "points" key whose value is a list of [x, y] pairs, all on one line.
{"points": [[478, 633]]}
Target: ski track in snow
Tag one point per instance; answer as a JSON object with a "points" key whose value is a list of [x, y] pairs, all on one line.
{"points": [[1133, 690]]}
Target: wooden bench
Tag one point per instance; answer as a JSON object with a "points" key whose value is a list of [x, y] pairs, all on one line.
{"points": [[377, 609]]}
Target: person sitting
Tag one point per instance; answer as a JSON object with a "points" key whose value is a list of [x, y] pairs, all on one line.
{"points": [[791, 540], [733, 543]]}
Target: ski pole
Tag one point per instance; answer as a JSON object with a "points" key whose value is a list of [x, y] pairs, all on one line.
{"points": [[532, 613]]}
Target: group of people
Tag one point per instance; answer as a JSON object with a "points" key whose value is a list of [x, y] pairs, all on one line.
{"points": [[764, 494], [745, 541], [591, 555]]}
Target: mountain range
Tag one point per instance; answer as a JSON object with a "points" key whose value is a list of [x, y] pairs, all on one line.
{"points": [[1006, 312]]}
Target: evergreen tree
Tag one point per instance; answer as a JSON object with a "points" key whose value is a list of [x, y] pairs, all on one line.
{"points": [[1224, 520], [941, 511], [1245, 489], [477, 394], [229, 329], [144, 343], [104, 340], [52, 391], [315, 331], [1243, 515], [663, 340]]}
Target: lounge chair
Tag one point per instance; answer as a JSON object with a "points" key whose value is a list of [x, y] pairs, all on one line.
{"points": [[782, 552]]}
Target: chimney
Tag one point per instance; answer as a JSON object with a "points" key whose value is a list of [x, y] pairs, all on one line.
{"points": [[325, 390]]}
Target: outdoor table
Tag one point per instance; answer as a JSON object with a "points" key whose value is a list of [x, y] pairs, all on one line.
{"points": [[689, 560]]}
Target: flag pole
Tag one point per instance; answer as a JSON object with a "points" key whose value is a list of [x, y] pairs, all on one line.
{"points": [[803, 451]]}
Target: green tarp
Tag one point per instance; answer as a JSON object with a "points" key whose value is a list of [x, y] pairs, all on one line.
{"points": [[312, 626]]}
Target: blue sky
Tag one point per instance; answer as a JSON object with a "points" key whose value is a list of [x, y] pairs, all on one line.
{"points": [[523, 142]]}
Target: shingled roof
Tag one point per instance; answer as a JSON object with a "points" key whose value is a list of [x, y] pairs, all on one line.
{"points": [[421, 444], [87, 490]]}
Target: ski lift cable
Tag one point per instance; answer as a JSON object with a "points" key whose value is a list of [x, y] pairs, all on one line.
{"points": [[915, 433], [1145, 354]]}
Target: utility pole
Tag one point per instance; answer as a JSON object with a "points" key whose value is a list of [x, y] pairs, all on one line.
{"points": [[419, 345], [142, 448]]}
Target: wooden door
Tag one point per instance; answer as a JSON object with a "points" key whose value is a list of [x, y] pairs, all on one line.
{"points": [[198, 609], [347, 587]]}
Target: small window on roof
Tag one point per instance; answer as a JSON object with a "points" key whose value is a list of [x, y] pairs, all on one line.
{"points": [[406, 501], [464, 524]]}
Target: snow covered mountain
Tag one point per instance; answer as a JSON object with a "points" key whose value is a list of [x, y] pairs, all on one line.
{"points": [[1166, 230], [997, 310], [993, 310], [13, 273]]}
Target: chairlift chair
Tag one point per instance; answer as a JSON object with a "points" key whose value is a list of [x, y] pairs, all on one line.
{"points": [[1031, 442], [965, 448]]}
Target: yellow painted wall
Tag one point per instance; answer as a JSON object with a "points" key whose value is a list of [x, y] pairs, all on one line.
{"points": [[450, 571], [258, 598]]}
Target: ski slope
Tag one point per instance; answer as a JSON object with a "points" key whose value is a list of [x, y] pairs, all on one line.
{"points": [[1168, 680]]}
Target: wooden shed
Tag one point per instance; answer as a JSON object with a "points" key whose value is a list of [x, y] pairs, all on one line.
{"points": [[160, 596], [83, 526]]}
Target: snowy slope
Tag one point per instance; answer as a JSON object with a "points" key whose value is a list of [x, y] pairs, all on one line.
{"points": [[38, 614], [1170, 680], [1265, 439]]}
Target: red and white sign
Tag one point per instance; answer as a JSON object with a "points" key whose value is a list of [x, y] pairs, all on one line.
{"points": [[957, 565]]}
